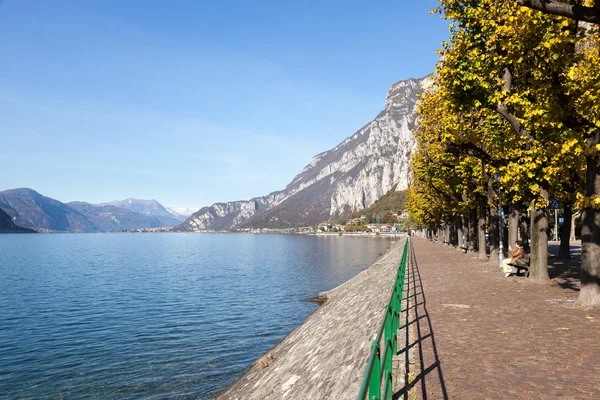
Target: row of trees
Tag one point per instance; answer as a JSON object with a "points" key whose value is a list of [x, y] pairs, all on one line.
{"points": [[515, 96]]}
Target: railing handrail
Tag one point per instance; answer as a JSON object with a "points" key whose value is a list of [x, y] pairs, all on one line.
{"points": [[388, 329]]}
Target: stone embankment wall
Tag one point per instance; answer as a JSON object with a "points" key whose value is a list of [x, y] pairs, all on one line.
{"points": [[326, 356]]}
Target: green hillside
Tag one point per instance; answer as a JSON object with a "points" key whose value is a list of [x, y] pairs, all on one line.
{"points": [[392, 201]]}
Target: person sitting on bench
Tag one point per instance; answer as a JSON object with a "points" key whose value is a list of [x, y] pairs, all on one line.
{"points": [[515, 254]]}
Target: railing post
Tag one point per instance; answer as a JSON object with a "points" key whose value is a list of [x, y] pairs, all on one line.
{"points": [[389, 325], [375, 383], [387, 370], [398, 301]]}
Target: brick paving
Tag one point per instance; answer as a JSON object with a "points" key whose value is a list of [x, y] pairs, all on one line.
{"points": [[477, 335]]}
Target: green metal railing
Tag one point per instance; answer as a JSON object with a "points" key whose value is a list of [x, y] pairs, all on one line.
{"points": [[375, 374]]}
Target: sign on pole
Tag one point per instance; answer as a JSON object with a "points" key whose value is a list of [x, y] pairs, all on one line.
{"points": [[554, 203]]}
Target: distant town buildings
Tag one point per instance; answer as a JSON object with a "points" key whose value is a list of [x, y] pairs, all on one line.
{"points": [[359, 225]]}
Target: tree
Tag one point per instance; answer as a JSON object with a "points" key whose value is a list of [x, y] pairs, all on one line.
{"points": [[514, 61], [388, 218], [445, 175], [583, 90], [539, 72]]}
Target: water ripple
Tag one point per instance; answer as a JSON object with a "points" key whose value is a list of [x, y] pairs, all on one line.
{"points": [[157, 316]]}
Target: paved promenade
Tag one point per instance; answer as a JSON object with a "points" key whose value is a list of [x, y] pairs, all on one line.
{"points": [[477, 335]]}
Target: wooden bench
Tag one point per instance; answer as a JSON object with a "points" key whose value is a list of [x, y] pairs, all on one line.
{"points": [[521, 264], [464, 250]]}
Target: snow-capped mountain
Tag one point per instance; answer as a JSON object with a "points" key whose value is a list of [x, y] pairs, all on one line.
{"points": [[181, 213]]}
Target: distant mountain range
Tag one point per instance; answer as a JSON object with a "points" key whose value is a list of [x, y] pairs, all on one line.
{"points": [[347, 178], [30, 209], [151, 208]]}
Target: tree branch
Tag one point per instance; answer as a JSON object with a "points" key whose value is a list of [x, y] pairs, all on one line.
{"points": [[512, 120], [438, 163], [470, 149], [502, 109], [562, 8], [572, 119], [449, 198]]}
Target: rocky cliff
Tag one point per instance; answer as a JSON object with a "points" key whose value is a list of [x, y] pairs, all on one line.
{"points": [[349, 177]]}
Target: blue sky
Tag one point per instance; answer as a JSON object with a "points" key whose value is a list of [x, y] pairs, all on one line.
{"points": [[194, 102]]}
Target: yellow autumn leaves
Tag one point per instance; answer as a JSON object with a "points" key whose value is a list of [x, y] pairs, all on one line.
{"points": [[516, 92]]}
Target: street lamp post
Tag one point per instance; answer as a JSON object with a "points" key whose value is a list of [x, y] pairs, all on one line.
{"points": [[500, 219]]}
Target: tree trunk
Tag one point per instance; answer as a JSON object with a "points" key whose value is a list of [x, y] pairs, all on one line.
{"points": [[494, 234], [448, 235], [481, 229], [524, 231], [590, 233], [459, 232], [504, 239], [564, 251], [573, 223], [473, 230], [466, 233], [513, 225], [539, 245], [494, 226]]}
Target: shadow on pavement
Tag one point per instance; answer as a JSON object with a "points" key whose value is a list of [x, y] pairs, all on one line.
{"points": [[565, 272], [426, 373]]}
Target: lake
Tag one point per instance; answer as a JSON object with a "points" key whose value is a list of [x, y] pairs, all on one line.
{"points": [[156, 316]]}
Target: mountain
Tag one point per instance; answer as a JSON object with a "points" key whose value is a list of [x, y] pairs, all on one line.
{"points": [[8, 226], [30, 209], [350, 177], [392, 201], [181, 213], [108, 218], [150, 208]]}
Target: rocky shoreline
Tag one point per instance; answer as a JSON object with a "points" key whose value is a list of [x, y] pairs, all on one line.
{"points": [[326, 356]]}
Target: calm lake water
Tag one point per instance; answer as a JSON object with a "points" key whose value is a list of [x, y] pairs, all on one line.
{"points": [[156, 316]]}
